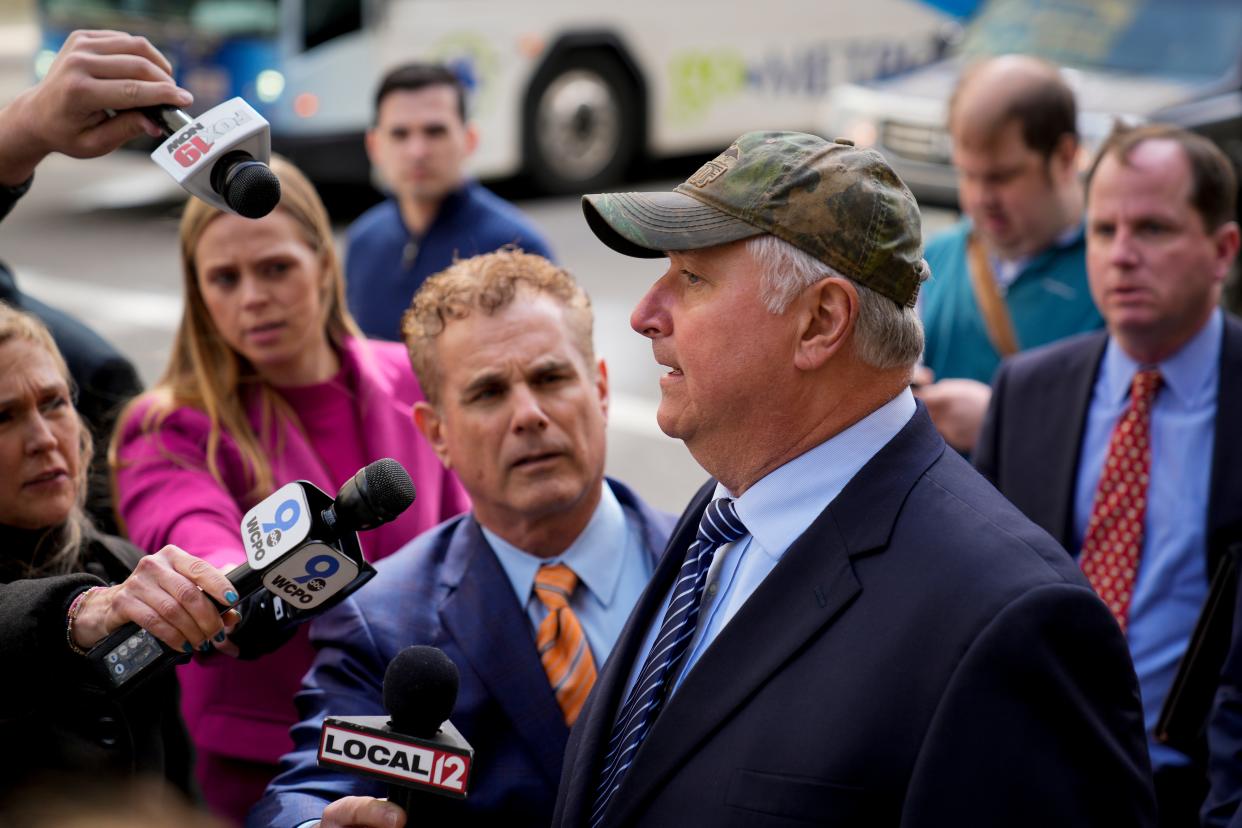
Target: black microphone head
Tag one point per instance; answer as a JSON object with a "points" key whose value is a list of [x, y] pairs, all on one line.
{"points": [[389, 487], [252, 189], [420, 689], [376, 494]]}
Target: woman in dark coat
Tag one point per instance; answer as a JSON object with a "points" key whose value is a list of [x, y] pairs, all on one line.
{"points": [[64, 587]]}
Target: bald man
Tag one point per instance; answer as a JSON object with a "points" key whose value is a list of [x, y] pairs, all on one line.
{"points": [[1012, 274]]}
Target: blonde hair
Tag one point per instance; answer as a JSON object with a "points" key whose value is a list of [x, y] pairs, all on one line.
{"points": [[205, 373], [488, 283], [57, 552]]}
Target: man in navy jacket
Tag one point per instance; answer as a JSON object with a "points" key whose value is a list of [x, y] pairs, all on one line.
{"points": [[516, 406], [880, 638], [419, 144], [1160, 241]]}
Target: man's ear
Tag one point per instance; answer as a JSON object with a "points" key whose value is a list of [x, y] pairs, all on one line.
{"points": [[829, 313], [1064, 158], [472, 138], [601, 386], [429, 422], [371, 142], [1226, 239]]}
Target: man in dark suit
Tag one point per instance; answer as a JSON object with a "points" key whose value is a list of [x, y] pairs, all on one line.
{"points": [[850, 627], [1122, 444], [516, 406]]}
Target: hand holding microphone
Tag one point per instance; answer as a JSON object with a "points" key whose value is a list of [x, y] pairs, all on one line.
{"points": [[302, 556], [166, 594], [96, 74]]}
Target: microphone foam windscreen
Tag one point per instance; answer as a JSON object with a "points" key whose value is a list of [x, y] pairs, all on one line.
{"points": [[389, 488], [420, 689], [254, 191]]}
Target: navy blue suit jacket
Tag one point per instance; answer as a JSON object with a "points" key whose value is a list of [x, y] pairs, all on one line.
{"points": [[922, 656], [446, 589], [1032, 435]]}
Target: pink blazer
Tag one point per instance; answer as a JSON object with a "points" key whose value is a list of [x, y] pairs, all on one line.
{"points": [[165, 494]]}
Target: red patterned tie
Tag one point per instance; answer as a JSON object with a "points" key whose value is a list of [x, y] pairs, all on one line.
{"points": [[1114, 536]]}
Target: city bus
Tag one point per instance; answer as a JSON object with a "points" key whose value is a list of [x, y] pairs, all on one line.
{"points": [[570, 94]]}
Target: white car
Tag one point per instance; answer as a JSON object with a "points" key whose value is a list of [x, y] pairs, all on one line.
{"points": [[1175, 61]]}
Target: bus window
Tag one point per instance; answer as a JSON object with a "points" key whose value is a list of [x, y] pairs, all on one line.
{"points": [[323, 20]]}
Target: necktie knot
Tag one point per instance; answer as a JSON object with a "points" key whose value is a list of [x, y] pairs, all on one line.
{"points": [[1144, 386], [554, 584], [720, 523]]}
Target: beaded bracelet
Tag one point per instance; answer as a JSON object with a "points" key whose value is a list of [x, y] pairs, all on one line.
{"points": [[74, 609]]}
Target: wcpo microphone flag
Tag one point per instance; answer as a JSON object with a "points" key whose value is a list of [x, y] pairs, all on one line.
{"points": [[415, 747], [302, 552], [220, 156]]}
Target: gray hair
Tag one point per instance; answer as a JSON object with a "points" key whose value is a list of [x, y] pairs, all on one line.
{"points": [[887, 335]]}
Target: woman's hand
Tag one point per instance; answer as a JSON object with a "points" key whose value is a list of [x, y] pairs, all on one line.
{"points": [[166, 595]]}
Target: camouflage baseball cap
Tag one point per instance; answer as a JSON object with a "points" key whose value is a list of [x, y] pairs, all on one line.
{"points": [[842, 205]]}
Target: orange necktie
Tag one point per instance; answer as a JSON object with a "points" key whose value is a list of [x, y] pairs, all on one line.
{"points": [[562, 644], [1114, 536]]}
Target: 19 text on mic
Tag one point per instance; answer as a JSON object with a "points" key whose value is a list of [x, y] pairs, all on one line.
{"points": [[220, 156]]}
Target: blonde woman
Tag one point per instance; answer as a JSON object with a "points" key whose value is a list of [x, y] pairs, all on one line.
{"points": [[65, 586], [269, 381]]}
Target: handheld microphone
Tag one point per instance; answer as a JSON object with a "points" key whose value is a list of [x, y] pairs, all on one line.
{"points": [[220, 157], [414, 748], [302, 550]]}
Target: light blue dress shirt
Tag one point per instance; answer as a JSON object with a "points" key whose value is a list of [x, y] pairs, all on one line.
{"points": [[776, 511], [1172, 577], [612, 566]]}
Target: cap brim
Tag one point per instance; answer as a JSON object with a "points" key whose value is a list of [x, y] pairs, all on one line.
{"points": [[647, 225]]}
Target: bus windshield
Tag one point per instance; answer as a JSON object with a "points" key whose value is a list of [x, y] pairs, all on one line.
{"points": [[209, 18], [1177, 38]]}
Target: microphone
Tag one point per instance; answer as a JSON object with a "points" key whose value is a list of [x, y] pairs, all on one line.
{"points": [[302, 558], [220, 157], [414, 748]]}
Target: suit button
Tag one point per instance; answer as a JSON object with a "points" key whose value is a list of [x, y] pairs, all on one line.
{"points": [[108, 731]]}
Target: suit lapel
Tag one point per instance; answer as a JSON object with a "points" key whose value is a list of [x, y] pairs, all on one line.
{"points": [[1066, 422], [812, 587], [483, 616], [1225, 498]]}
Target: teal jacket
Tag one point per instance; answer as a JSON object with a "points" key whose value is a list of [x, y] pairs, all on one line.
{"points": [[1048, 301]]}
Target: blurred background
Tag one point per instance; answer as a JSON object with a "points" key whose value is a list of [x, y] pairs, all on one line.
{"points": [[572, 98]]}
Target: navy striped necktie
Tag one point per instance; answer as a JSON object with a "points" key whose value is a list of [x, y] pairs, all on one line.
{"points": [[720, 525]]}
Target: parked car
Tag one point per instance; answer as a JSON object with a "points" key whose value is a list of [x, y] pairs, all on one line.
{"points": [[1174, 61]]}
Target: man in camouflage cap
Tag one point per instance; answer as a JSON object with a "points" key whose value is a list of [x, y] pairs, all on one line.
{"points": [[849, 627]]}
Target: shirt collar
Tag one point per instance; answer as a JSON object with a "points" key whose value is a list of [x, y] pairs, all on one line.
{"points": [[780, 507], [1188, 374], [594, 556]]}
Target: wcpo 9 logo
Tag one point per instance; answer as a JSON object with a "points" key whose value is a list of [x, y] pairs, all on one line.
{"points": [[276, 526], [310, 575], [261, 536]]}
